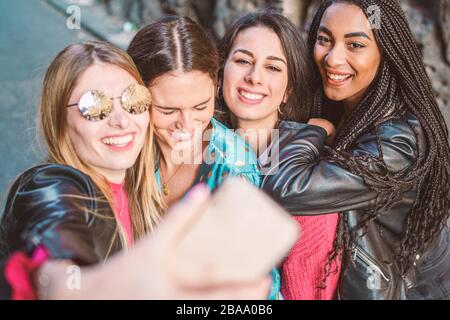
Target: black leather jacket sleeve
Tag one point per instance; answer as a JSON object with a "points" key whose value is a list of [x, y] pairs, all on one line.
{"points": [[51, 205], [306, 184]]}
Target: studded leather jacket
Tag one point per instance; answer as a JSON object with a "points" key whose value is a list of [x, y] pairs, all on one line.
{"points": [[305, 184]]}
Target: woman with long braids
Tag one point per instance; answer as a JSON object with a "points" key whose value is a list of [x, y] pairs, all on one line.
{"points": [[387, 170]]}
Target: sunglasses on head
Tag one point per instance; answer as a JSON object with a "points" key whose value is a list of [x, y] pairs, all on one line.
{"points": [[95, 105]]}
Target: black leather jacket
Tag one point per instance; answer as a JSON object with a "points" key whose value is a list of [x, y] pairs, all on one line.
{"points": [[305, 184], [51, 205]]}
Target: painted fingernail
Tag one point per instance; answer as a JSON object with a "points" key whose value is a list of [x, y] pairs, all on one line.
{"points": [[197, 190]]}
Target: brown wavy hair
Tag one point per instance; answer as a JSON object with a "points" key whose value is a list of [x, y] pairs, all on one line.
{"points": [[173, 43], [298, 106]]}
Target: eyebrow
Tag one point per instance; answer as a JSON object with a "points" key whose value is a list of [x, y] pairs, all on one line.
{"points": [[252, 55], [357, 34], [348, 35], [172, 108], [325, 30]]}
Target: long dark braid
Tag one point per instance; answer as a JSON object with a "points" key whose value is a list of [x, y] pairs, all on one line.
{"points": [[400, 86]]}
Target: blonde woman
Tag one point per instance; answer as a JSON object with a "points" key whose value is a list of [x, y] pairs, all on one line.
{"points": [[96, 193]]}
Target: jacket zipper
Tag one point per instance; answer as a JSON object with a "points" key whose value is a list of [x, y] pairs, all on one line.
{"points": [[356, 252]]}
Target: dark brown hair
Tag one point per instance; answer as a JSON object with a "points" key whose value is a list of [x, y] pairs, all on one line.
{"points": [[297, 108], [173, 43]]}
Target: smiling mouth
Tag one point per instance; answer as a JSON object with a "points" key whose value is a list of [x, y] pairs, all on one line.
{"points": [[118, 141], [181, 136], [338, 78], [251, 96]]}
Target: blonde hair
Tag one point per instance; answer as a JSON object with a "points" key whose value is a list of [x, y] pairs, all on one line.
{"points": [[145, 201]]}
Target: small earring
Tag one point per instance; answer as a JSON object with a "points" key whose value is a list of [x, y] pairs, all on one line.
{"points": [[279, 108], [282, 104], [219, 96]]}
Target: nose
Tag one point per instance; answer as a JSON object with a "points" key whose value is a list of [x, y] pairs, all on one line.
{"points": [[185, 121], [336, 56], [119, 118], [254, 75]]}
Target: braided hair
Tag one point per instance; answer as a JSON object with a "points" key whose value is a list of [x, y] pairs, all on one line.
{"points": [[401, 86]]}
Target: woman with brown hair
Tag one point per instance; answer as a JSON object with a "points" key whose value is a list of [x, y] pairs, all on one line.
{"points": [[96, 192], [265, 89], [179, 64]]}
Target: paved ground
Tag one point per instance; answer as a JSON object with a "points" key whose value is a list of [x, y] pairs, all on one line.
{"points": [[31, 34]]}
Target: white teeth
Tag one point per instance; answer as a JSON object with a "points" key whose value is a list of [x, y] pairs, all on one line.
{"points": [[118, 141], [338, 77], [182, 136], [251, 96]]}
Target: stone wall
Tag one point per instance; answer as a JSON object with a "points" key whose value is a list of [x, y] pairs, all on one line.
{"points": [[429, 21]]}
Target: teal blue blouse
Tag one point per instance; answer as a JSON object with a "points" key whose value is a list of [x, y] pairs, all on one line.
{"points": [[227, 155]]}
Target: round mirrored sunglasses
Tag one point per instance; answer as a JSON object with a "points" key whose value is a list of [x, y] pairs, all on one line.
{"points": [[95, 105]]}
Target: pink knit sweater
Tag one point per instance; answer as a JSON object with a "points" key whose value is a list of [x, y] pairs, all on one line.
{"points": [[303, 269]]}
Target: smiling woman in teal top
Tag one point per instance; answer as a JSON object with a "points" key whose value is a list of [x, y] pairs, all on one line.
{"points": [[179, 64], [226, 154]]}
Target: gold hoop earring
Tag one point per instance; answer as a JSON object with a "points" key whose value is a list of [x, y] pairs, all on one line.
{"points": [[279, 108]]}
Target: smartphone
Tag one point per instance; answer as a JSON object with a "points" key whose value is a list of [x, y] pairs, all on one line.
{"points": [[241, 235]]}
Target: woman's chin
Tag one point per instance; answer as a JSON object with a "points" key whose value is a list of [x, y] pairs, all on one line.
{"points": [[245, 114], [335, 96]]}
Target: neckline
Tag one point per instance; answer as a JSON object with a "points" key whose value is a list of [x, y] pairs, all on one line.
{"points": [[117, 186], [118, 189]]}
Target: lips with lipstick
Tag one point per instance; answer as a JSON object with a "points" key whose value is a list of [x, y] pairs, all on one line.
{"points": [[119, 142], [336, 78], [250, 97]]}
